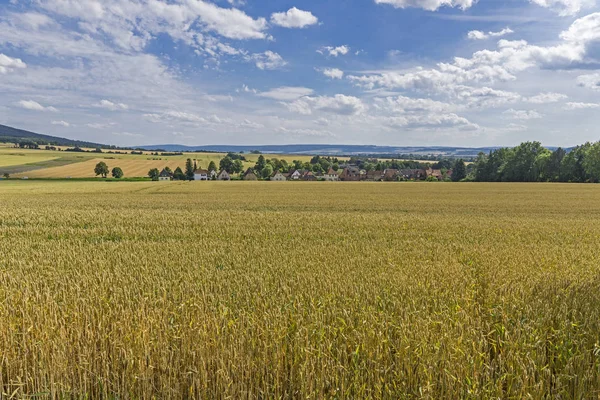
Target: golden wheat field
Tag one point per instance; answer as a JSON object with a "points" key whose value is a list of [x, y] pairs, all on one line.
{"points": [[261, 290]]}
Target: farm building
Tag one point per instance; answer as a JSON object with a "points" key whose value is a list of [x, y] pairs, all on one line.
{"points": [[201, 175], [331, 176], [351, 174], [165, 175], [412, 174], [295, 176], [250, 175], [223, 176], [278, 177]]}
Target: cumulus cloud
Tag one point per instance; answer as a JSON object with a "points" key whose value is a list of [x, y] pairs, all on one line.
{"points": [[61, 123], [523, 114], [429, 5], [479, 35], [334, 51], [581, 106], [294, 18], [287, 93], [131, 24], [565, 7], [431, 121], [8, 64], [589, 81], [109, 105], [338, 104], [491, 66], [35, 106], [333, 73], [544, 98], [267, 60]]}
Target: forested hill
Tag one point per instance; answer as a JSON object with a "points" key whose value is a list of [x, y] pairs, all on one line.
{"points": [[14, 135]]}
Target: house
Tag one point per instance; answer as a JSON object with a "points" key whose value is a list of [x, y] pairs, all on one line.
{"points": [[249, 175], [309, 176], [350, 174], [278, 177], [295, 176], [165, 175], [331, 176], [436, 173], [201, 175], [223, 176], [213, 175], [412, 174], [374, 176], [390, 175]]}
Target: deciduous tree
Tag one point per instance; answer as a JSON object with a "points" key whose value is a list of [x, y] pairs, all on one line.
{"points": [[101, 169], [117, 173]]}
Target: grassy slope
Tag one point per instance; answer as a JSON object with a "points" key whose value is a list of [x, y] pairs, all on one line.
{"points": [[61, 164], [319, 290]]}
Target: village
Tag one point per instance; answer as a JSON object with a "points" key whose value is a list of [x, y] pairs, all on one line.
{"points": [[346, 173]]}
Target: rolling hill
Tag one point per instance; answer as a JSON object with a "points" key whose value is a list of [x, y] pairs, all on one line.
{"points": [[10, 135]]}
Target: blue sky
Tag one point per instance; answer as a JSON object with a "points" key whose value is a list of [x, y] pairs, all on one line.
{"points": [[388, 72]]}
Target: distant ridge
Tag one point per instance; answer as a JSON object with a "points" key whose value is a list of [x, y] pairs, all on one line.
{"points": [[9, 134], [330, 149]]}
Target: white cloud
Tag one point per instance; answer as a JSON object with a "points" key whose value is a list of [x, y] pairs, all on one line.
{"points": [[109, 105], [583, 30], [403, 105], [489, 67], [544, 98], [131, 24], [128, 134], [61, 123], [35, 106], [589, 81], [565, 7], [100, 126], [33, 20], [430, 5], [515, 127], [294, 18], [8, 64], [287, 93], [581, 106], [479, 35], [333, 73], [267, 60], [338, 104], [334, 51], [431, 121], [305, 132], [523, 114]]}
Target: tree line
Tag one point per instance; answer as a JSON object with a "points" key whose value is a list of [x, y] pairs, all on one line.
{"points": [[531, 162]]}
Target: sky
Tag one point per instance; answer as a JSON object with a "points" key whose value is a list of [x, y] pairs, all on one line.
{"points": [[253, 72]]}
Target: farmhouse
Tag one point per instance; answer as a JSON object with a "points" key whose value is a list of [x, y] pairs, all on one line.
{"points": [[309, 176], [165, 175], [278, 177], [390, 175], [201, 175], [412, 174], [223, 176], [436, 173], [374, 176], [331, 176], [250, 175], [350, 174], [295, 176]]}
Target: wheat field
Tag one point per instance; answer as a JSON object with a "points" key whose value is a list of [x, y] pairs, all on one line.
{"points": [[257, 290]]}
